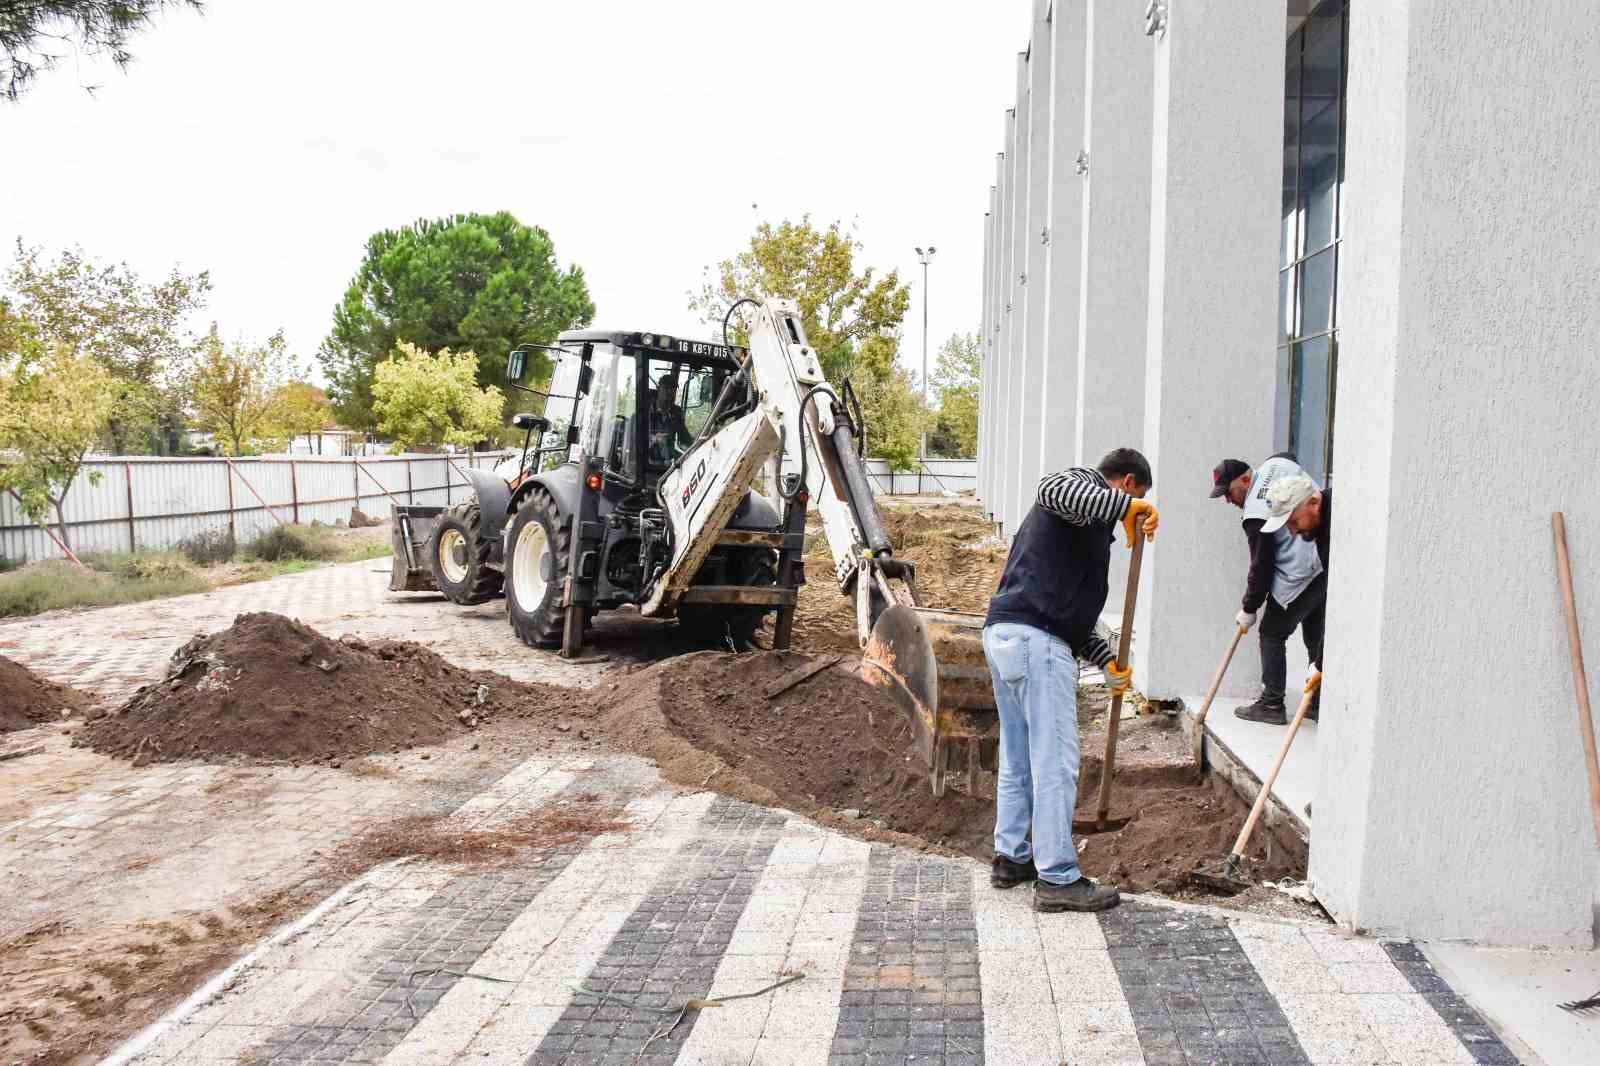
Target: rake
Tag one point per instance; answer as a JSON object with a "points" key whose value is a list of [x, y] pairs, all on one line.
{"points": [[1582, 1006]]}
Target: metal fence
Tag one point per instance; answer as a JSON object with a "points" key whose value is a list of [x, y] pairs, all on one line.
{"points": [[932, 477], [142, 503]]}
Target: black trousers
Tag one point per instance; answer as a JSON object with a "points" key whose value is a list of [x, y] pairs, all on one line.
{"points": [[1308, 612]]}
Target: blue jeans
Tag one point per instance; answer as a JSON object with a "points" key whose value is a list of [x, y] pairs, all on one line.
{"points": [[1036, 689]]}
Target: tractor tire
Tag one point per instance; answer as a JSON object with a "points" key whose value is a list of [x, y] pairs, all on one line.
{"points": [[459, 558], [719, 624], [538, 556]]}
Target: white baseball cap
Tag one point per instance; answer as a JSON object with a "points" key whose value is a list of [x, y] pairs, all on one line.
{"points": [[1283, 497]]}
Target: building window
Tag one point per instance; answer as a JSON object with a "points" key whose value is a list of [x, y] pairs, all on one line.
{"points": [[1308, 265]]}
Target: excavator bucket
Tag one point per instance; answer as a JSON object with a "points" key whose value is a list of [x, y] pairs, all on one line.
{"points": [[933, 663], [409, 530]]}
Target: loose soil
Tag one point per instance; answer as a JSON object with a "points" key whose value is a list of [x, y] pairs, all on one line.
{"points": [[27, 700], [836, 748], [269, 689]]}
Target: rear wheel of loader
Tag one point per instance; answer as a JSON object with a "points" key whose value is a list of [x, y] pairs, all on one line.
{"points": [[459, 558], [718, 624], [538, 556]]}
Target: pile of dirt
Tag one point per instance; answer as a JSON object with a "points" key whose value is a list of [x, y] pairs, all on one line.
{"points": [[270, 689], [836, 748], [27, 700]]}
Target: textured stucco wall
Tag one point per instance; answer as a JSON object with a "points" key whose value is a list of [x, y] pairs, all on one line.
{"points": [[1216, 175], [1010, 318], [985, 351], [1037, 286], [1018, 325], [1058, 403], [1452, 798]]}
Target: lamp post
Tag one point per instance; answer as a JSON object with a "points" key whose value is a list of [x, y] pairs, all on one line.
{"points": [[924, 257]]}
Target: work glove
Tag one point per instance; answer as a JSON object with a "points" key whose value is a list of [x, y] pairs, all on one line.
{"points": [[1118, 679], [1314, 682], [1246, 620], [1151, 519]]}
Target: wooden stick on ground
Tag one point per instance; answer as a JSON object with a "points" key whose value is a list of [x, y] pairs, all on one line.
{"points": [[1124, 645], [1580, 679]]}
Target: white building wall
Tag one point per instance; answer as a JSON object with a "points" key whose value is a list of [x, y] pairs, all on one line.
{"points": [[1036, 284], [1011, 470], [1058, 399], [1010, 318], [1452, 801], [1216, 179], [983, 346], [989, 389]]}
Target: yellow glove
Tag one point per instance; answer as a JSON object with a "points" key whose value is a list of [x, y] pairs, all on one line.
{"points": [[1118, 679], [1314, 682], [1151, 519]]}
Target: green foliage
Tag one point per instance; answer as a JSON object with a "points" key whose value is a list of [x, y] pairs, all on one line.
{"points": [[483, 283], [852, 319], [239, 393], [294, 542], [54, 585], [133, 329], [419, 398], [53, 405], [956, 381], [840, 306], [32, 30]]}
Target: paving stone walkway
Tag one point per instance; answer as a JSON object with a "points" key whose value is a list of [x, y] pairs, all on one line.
{"points": [[589, 953]]}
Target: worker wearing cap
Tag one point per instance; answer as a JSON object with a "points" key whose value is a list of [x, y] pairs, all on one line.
{"points": [[1297, 505], [1286, 578], [1041, 622]]}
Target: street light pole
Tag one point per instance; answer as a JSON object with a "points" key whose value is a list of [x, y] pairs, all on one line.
{"points": [[924, 258]]}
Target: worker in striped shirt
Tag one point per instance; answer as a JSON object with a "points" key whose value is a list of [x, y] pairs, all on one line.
{"points": [[1041, 622]]}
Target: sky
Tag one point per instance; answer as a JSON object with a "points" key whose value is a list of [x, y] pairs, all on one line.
{"points": [[265, 141]]}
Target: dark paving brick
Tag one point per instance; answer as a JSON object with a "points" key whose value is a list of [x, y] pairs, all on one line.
{"points": [[1467, 1024], [668, 949], [1194, 996], [448, 931], [911, 986]]}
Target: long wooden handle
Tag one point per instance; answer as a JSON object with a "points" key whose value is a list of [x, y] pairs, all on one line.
{"points": [[1277, 764], [1580, 678], [1124, 645], [1222, 670]]}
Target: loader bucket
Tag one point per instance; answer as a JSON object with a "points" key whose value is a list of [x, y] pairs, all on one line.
{"points": [[933, 663], [409, 531]]}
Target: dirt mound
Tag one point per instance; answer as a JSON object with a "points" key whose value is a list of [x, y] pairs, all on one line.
{"points": [[273, 690], [835, 748], [27, 700]]}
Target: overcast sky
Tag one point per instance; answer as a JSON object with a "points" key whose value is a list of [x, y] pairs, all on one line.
{"points": [[264, 141]]}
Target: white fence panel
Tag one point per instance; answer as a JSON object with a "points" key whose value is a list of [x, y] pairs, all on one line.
{"points": [[932, 477], [143, 503]]}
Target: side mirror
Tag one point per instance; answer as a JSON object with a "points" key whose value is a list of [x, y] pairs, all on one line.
{"points": [[516, 365], [526, 421], [585, 379]]}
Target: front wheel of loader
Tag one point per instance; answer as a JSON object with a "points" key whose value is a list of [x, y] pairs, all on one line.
{"points": [[459, 558], [538, 556]]}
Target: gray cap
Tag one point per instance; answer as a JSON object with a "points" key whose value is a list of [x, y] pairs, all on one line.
{"points": [[1283, 497]]}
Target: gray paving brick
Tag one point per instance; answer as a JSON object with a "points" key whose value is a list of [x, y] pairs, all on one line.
{"points": [[1467, 1024]]}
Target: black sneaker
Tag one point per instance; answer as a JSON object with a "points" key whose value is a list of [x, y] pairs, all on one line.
{"points": [[1262, 711], [1082, 895], [1003, 873]]}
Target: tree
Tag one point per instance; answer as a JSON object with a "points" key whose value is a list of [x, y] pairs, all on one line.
{"points": [[851, 317], [956, 381], [481, 283], [236, 392], [30, 30], [53, 405], [815, 268], [418, 398], [135, 330], [300, 409]]}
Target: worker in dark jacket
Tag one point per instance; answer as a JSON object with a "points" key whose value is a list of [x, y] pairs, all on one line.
{"points": [[1285, 577], [1041, 622], [1298, 507]]}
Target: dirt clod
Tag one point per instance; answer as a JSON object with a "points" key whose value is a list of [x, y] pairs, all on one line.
{"points": [[271, 689], [27, 700]]}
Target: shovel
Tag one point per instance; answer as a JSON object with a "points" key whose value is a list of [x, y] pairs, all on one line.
{"points": [[1211, 694], [1102, 822], [1230, 879]]}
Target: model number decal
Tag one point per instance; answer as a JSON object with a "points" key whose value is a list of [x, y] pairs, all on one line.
{"points": [[694, 482]]}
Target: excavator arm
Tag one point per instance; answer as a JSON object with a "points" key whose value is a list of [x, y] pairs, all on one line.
{"points": [[802, 431]]}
